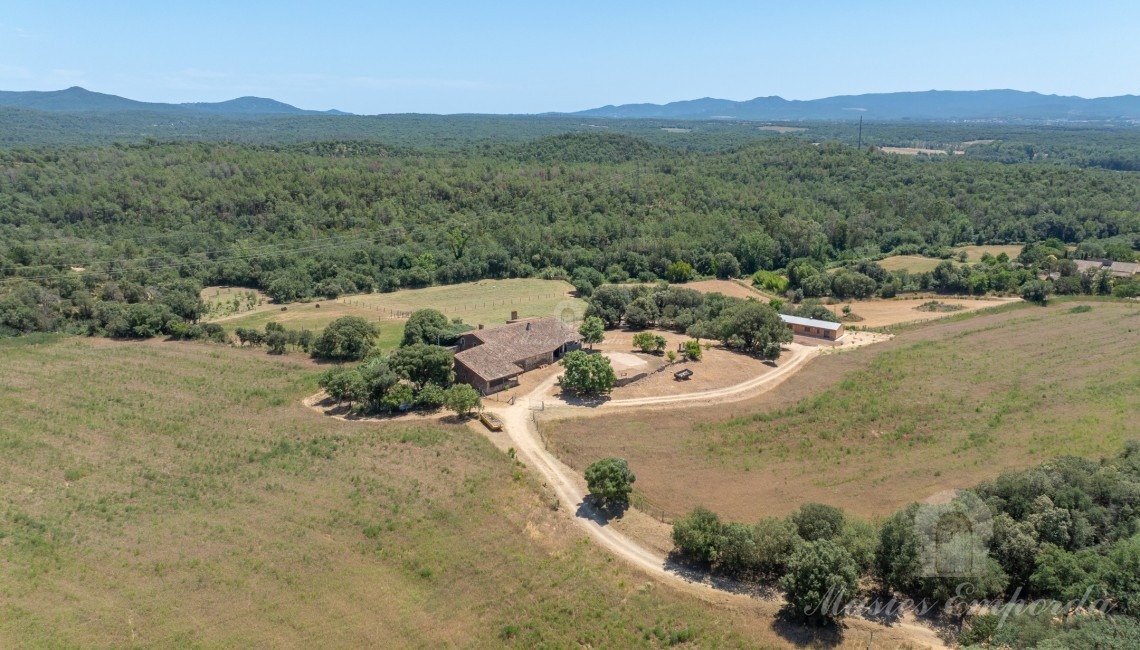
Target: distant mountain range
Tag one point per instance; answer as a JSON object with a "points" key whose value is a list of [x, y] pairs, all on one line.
{"points": [[932, 105], [81, 100], [939, 105]]}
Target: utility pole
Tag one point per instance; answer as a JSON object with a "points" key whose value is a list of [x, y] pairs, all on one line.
{"points": [[860, 133]]}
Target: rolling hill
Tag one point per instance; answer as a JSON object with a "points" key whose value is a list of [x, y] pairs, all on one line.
{"points": [[939, 105], [80, 100]]}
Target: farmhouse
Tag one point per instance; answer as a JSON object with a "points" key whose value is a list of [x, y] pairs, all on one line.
{"points": [[811, 327], [1116, 269], [492, 359]]}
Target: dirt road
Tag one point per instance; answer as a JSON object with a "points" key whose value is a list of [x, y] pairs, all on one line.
{"points": [[519, 425]]}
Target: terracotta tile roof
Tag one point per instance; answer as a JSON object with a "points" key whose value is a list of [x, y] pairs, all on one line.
{"points": [[489, 362], [1121, 269], [1124, 268], [506, 346], [1084, 265]]}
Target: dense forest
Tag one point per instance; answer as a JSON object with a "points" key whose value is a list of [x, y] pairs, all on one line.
{"points": [[1111, 145], [150, 223]]}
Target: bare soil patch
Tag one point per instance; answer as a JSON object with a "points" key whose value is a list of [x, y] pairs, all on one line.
{"points": [[912, 151], [730, 288], [884, 313], [781, 129], [718, 367]]}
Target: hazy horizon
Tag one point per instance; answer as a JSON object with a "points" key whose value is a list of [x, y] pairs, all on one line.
{"points": [[448, 57]]}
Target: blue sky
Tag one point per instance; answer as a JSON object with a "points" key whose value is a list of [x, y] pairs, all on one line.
{"points": [[527, 57]]}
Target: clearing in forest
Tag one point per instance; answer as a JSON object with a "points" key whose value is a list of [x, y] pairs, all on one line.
{"points": [[974, 253], [781, 129], [914, 151], [731, 288], [488, 301], [912, 263]]}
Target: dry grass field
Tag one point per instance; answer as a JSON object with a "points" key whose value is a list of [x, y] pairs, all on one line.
{"points": [[161, 495], [781, 129], [730, 288], [488, 302], [914, 151], [912, 263], [938, 407], [884, 313], [974, 253]]}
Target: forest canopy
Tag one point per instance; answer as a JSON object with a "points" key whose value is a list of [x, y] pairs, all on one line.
{"points": [[148, 223]]}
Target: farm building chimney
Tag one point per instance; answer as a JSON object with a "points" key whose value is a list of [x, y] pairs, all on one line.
{"points": [[514, 315], [480, 325]]}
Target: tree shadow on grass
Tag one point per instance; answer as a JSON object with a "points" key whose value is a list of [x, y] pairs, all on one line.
{"points": [[457, 419], [801, 635], [588, 401], [699, 573], [600, 514]]}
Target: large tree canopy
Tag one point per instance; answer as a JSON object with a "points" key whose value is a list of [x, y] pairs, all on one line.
{"points": [[347, 338], [587, 374]]}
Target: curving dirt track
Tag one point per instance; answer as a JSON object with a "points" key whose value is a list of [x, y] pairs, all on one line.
{"points": [[520, 427]]}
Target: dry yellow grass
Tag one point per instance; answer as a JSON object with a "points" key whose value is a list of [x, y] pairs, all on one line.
{"points": [[974, 253], [940, 407], [162, 495], [884, 313], [912, 263], [912, 151], [487, 301]]}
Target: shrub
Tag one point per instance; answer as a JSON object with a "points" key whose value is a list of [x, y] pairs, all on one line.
{"points": [[649, 342], [692, 350], [695, 535], [343, 384], [819, 573], [461, 399], [736, 549], [770, 282], [430, 396], [817, 521], [776, 540]]}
